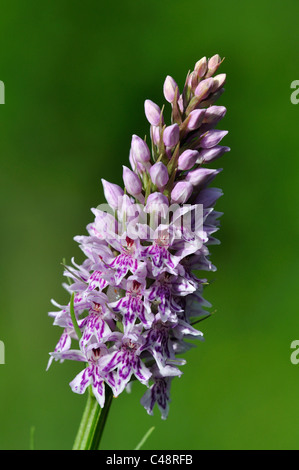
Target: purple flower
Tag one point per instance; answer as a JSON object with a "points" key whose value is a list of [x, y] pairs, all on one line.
{"points": [[93, 375], [127, 260], [97, 281], [126, 360], [158, 343], [63, 344], [136, 296], [159, 391], [161, 294], [96, 324], [158, 252], [133, 305]]}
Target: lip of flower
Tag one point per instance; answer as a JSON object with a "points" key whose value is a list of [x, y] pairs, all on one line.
{"points": [[130, 345], [136, 289], [130, 246], [97, 308], [163, 239], [96, 354]]}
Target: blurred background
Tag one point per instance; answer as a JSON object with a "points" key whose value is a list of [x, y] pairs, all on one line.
{"points": [[76, 76]]}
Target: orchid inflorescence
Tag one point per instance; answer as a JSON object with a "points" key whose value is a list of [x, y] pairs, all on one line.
{"points": [[135, 299]]}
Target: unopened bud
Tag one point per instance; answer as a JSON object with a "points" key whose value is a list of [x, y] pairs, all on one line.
{"points": [[219, 81], [157, 202], [212, 138], [112, 193], [155, 134], [201, 176], [139, 149], [214, 114], [171, 135], [213, 65], [181, 192], [193, 80], [152, 112], [204, 88], [201, 67], [195, 119], [208, 196], [169, 89], [211, 154], [131, 181], [187, 159], [159, 175]]}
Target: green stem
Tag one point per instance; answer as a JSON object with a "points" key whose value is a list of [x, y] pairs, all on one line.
{"points": [[93, 422], [73, 317]]}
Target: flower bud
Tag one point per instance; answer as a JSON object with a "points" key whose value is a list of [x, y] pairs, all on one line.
{"points": [[204, 88], [181, 104], [201, 67], [112, 193], [212, 98], [169, 89], [131, 181], [159, 175], [181, 192], [140, 151], [171, 135], [201, 176], [136, 166], [152, 112], [214, 114], [211, 154], [195, 119], [187, 159], [219, 81], [212, 138], [155, 133], [158, 203], [208, 196], [193, 80], [213, 65]]}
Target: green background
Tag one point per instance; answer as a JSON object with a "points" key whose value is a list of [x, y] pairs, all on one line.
{"points": [[76, 76]]}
